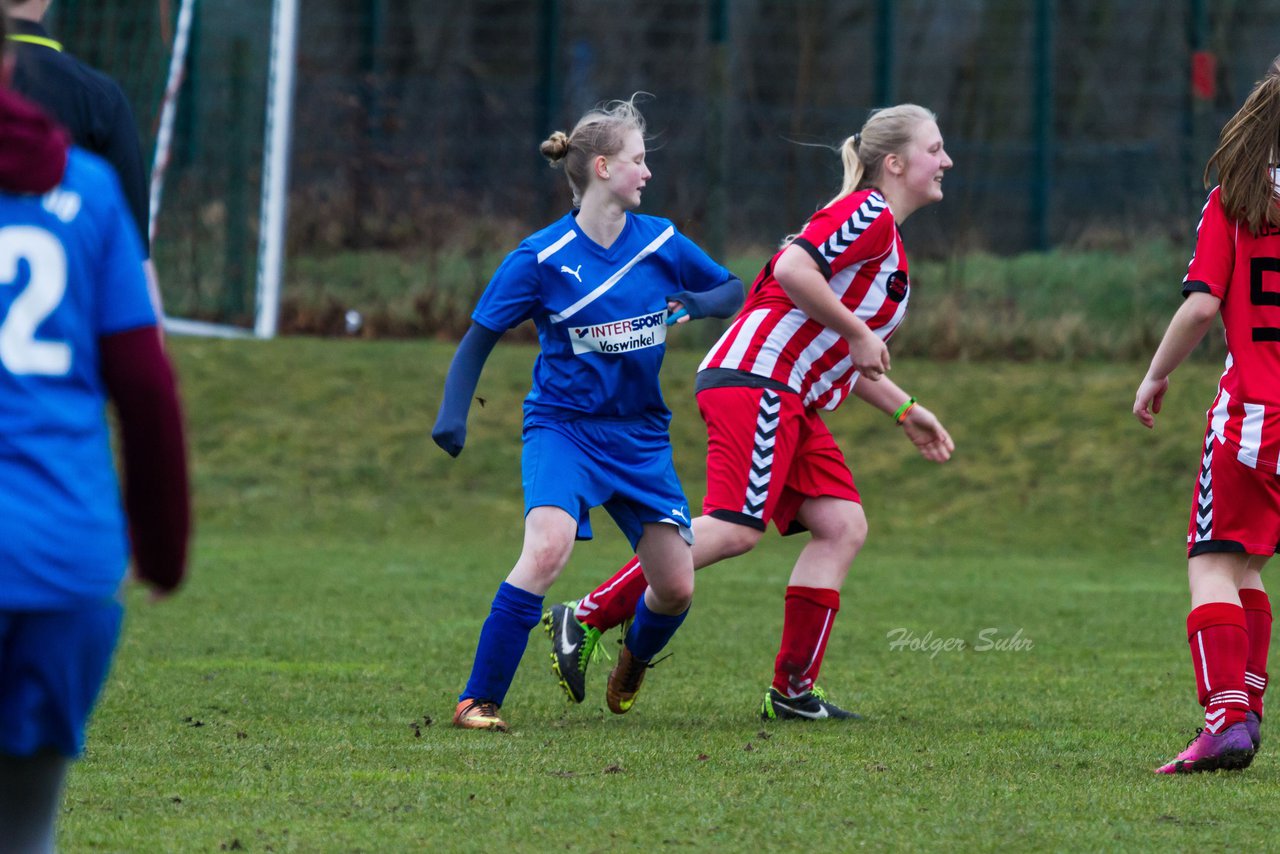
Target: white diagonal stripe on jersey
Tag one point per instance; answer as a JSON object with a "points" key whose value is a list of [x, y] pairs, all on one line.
{"points": [[766, 360], [824, 341], [653, 247], [839, 373], [1251, 434], [557, 246], [742, 333], [878, 290], [839, 283]]}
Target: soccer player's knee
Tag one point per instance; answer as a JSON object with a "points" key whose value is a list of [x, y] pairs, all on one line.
{"points": [[848, 535], [546, 559], [673, 593], [676, 595], [856, 534]]}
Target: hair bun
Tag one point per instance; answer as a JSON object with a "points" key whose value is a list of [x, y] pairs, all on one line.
{"points": [[556, 146]]}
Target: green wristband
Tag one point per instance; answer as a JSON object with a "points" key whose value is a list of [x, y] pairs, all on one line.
{"points": [[903, 410]]}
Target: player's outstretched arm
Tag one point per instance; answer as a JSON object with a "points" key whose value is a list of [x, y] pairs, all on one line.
{"points": [[140, 381], [450, 430], [1189, 324]]}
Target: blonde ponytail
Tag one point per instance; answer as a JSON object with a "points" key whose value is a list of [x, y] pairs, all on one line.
{"points": [[887, 131]]}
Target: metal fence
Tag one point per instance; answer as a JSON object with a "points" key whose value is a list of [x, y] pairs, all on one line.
{"points": [[419, 121]]}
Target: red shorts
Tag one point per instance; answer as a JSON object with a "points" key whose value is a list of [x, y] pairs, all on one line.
{"points": [[1236, 508], [765, 455]]}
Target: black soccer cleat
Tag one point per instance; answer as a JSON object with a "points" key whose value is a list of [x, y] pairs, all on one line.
{"points": [[812, 705], [573, 646]]}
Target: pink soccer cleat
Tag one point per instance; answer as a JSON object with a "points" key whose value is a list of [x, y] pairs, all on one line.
{"points": [[1253, 723], [1229, 750]]}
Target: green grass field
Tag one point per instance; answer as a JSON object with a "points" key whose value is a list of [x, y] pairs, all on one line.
{"points": [[296, 695]]}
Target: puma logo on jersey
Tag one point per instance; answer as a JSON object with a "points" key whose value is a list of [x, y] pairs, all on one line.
{"points": [[574, 273]]}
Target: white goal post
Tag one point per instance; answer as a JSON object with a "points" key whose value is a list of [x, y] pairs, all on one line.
{"points": [[274, 203]]}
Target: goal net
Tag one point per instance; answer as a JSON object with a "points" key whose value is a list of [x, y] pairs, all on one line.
{"points": [[210, 82]]}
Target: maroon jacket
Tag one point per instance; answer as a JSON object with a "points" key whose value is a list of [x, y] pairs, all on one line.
{"points": [[135, 370]]}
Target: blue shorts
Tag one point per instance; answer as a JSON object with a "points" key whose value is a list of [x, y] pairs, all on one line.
{"points": [[626, 466], [52, 667]]}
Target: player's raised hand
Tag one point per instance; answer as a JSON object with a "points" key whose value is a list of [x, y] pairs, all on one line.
{"points": [[1149, 399], [928, 435]]}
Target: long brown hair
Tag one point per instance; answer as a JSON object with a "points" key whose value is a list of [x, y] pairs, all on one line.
{"points": [[1247, 151]]}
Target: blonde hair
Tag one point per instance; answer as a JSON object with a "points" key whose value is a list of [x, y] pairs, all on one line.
{"points": [[601, 132], [887, 131], [1247, 150]]}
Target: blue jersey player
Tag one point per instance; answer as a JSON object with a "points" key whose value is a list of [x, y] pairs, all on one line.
{"points": [[601, 285], [77, 328]]}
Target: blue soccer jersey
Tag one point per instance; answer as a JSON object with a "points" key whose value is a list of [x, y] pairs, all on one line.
{"points": [[70, 272], [600, 313]]}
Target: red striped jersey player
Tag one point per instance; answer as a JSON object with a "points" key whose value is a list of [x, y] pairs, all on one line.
{"points": [[1235, 515], [1234, 524], [813, 332]]}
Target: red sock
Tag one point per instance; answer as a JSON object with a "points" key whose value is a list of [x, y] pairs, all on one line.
{"points": [[806, 626], [1219, 644], [1257, 617], [615, 600]]}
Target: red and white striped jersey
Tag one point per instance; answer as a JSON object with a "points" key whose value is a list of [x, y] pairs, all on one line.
{"points": [[1243, 270], [855, 243]]}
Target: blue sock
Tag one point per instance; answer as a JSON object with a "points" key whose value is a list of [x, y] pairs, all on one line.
{"points": [[650, 632], [503, 638]]}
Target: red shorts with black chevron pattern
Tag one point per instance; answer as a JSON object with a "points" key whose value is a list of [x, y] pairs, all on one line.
{"points": [[1235, 508], [766, 454]]}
